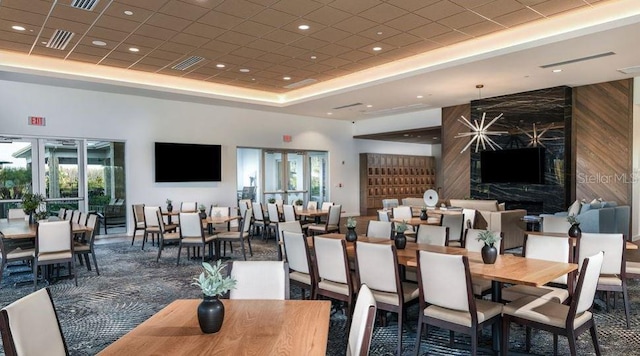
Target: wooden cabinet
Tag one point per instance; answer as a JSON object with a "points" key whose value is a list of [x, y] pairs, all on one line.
{"points": [[385, 176]]}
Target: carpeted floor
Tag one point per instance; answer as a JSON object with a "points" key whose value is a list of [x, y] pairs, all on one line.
{"points": [[132, 287]]}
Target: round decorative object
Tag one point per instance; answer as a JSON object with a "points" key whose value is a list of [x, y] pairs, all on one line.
{"points": [[489, 254], [351, 235], [210, 314], [574, 230], [400, 241], [169, 208], [430, 197], [423, 215]]}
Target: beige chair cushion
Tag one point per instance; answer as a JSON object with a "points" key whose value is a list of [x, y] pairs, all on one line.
{"points": [[80, 247], [558, 295], [609, 280], [19, 253], [171, 236], [50, 256], [544, 311], [410, 291], [300, 277], [480, 285], [485, 310], [633, 267], [330, 286]]}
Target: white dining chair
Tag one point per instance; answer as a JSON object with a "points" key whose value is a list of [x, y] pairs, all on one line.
{"points": [[259, 280]]}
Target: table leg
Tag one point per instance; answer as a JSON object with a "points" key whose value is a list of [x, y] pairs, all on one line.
{"points": [[496, 296]]}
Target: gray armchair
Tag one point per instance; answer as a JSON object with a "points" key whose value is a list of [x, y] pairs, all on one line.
{"points": [[596, 219]]}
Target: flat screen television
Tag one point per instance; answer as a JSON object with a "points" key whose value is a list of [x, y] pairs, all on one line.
{"points": [[186, 162], [520, 165]]}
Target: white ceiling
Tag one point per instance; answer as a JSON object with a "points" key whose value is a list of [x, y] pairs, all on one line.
{"points": [[505, 62]]}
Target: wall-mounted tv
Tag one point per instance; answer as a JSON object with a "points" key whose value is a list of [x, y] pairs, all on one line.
{"points": [[186, 162], [520, 165]]}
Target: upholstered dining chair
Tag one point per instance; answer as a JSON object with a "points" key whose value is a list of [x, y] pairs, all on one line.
{"points": [[331, 225], [152, 224], [379, 229], [480, 286], [274, 218], [13, 254], [301, 271], [469, 218], [455, 223], [75, 216], [312, 205], [259, 221], [192, 234], [333, 275], [241, 235], [613, 274], [560, 319], [363, 319], [377, 267], [433, 235], [447, 299], [16, 214], [188, 207], [165, 238], [86, 247], [138, 220], [54, 245], [289, 212], [558, 224], [219, 211], [30, 326], [291, 226], [383, 215], [259, 280], [547, 248]]}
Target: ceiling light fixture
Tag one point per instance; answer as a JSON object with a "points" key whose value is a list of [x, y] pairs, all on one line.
{"points": [[220, 65], [377, 49], [99, 43], [313, 57], [244, 70], [369, 106], [419, 96], [479, 131], [557, 70], [18, 28], [303, 27], [134, 49], [286, 78], [128, 12], [329, 113]]}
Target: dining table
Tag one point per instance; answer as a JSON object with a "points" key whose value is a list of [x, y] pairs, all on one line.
{"points": [[250, 327], [21, 229], [316, 214]]}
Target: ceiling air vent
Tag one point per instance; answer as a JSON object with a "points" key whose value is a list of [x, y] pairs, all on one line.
{"points": [[191, 61], [575, 60], [300, 83], [346, 106], [60, 39], [84, 4]]}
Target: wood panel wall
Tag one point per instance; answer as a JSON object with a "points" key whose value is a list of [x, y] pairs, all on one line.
{"points": [[602, 124], [455, 165]]}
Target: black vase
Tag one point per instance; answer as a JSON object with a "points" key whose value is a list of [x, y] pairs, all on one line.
{"points": [[203, 215], [400, 241], [210, 314], [574, 230], [169, 207], [351, 235], [489, 254], [423, 215]]}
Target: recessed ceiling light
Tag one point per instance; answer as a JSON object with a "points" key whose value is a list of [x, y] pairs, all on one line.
{"points": [[220, 65], [377, 49], [99, 43], [329, 113], [419, 97], [379, 33], [406, 135], [313, 57], [134, 49], [286, 78], [253, 79], [44, 42], [244, 70], [303, 27], [557, 70], [436, 137], [128, 12], [369, 106], [18, 28]]}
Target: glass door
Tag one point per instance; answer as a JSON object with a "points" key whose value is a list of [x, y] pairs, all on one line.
{"points": [[284, 177]]}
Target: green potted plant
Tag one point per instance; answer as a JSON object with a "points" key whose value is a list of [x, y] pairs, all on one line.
{"points": [[298, 204], [202, 208], [169, 205], [574, 230], [400, 240], [351, 234], [30, 204], [489, 251], [213, 285], [423, 213], [272, 200]]}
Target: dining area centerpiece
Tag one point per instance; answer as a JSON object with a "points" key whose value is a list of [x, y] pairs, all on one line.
{"points": [[169, 205], [351, 234], [423, 213], [574, 230], [489, 251], [203, 211], [31, 203], [213, 285], [400, 239]]}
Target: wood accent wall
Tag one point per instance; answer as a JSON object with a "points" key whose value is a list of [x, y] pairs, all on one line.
{"points": [[455, 165], [602, 124]]}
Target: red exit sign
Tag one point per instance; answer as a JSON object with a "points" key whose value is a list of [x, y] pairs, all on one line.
{"points": [[36, 120]]}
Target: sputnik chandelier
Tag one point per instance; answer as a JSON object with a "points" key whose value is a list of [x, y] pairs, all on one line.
{"points": [[536, 138], [480, 132]]}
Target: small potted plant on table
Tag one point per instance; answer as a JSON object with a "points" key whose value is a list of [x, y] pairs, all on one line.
{"points": [[31, 203], [213, 285], [351, 234], [574, 230], [400, 240], [169, 205], [489, 251]]}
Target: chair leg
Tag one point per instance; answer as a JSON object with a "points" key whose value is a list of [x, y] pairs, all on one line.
{"points": [[250, 250], [35, 275], [160, 245], [86, 259], [555, 344], [506, 324], [400, 312], [179, 250], [625, 299], [571, 336], [144, 238], [594, 338], [133, 238], [95, 262], [244, 253], [418, 336]]}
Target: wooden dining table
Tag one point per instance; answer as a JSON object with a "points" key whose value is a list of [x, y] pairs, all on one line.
{"points": [[316, 214], [21, 229], [250, 327]]}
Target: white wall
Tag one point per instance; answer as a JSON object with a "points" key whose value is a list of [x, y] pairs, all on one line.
{"points": [[140, 121], [635, 162], [399, 122]]}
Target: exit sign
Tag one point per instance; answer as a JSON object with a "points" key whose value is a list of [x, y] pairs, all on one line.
{"points": [[36, 120]]}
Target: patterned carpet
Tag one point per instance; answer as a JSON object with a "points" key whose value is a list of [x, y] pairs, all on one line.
{"points": [[132, 287]]}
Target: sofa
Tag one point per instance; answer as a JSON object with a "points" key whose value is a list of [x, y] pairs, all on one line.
{"points": [[491, 216], [600, 216]]}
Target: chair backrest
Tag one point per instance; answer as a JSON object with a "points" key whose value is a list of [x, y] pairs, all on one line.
{"points": [[613, 246], [587, 283], [53, 236], [377, 266], [455, 224], [555, 224], [30, 326], [291, 226], [402, 212], [312, 205], [257, 211], [75, 216], [362, 321], [272, 209], [445, 280], [16, 214], [334, 214], [469, 218], [68, 214], [326, 205], [297, 250], [243, 205], [383, 215], [380, 229], [289, 212], [92, 223], [151, 217], [433, 235], [259, 280], [61, 213], [221, 211], [138, 213], [472, 244], [188, 206], [191, 225], [389, 203], [331, 260], [279, 203], [548, 248], [246, 220], [82, 218]]}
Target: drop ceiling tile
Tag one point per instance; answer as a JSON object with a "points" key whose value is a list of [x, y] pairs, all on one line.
{"points": [[183, 10], [168, 22], [407, 22], [518, 17], [296, 63], [206, 53], [550, 8], [264, 3], [394, 54], [36, 6], [264, 45], [203, 30], [330, 34], [355, 7], [355, 56], [247, 52], [252, 28], [471, 4], [291, 52], [189, 40], [14, 46], [220, 20], [115, 63], [117, 9], [88, 48], [55, 23], [77, 15], [333, 49], [356, 41], [274, 58], [282, 36], [170, 72], [318, 67], [153, 5], [236, 38], [499, 8], [155, 62], [301, 74], [481, 29], [380, 32], [450, 38], [296, 7], [412, 5], [239, 8], [231, 60], [82, 57], [430, 30], [383, 13], [355, 24], [108, 35], [166, 55], [219, 46], [401, 40], [116, 22], [175, 47], [273, 18], [196, 76], [124, 56], [462, 19], [30, 20], [145, 41], [207, 4], [334, 62], [284, 70], [327, 15], [206, 71], [308, 43], [440, 10], [18, 36], [156, 32], [421, 47], [354, 67]]}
